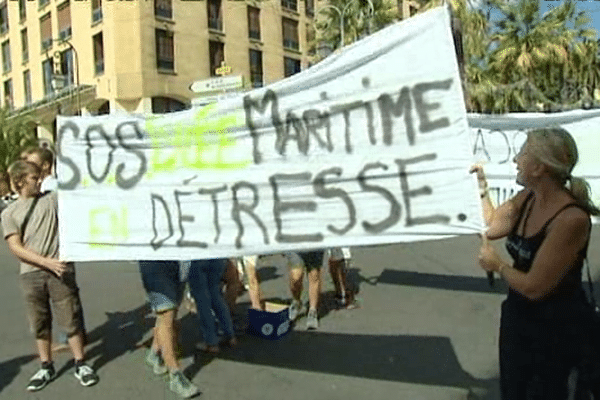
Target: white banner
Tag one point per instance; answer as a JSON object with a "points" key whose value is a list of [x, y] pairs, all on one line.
{"points": [[498, 138], [369, 146]]}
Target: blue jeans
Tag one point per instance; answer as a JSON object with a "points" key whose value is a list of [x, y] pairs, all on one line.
{"points": [[204, 279]]}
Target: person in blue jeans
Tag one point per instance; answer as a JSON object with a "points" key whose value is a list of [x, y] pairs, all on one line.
{"points": [[204, 279]]}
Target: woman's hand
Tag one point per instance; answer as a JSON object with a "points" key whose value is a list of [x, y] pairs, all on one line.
{"points": [[489, 259], [481, 180]]}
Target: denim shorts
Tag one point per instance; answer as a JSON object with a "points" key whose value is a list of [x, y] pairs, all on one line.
{"points": [[161, 280]]}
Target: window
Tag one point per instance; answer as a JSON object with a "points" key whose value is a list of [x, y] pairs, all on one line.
{"points": [[96, 10], [27, 86], [289, 4], [162, 105], [46, 31], [64, 21], [6, 65], [165, 57], [253, 22], [22, 10], [66, 67], [290, 33], [163, 8], [310, 8], [256, 71], [47, 73], [3, 18], [98, 53], [291, 66], [8, 94], [215, 15], [42, 3], [24, 46], [216, 56]]}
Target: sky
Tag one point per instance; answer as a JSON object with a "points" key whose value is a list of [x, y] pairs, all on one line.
{"points": [[591, 6]]}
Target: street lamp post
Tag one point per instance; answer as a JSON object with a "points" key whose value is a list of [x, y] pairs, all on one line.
{"points": [[72, 48], [342, 13]]}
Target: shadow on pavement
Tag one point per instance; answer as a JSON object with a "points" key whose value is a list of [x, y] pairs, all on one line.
{"points": [[11, 368], [437, 281], [122, 333], [427, 360]]}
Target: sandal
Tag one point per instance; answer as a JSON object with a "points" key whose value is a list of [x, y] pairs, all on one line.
{"points": [[210, 349]]}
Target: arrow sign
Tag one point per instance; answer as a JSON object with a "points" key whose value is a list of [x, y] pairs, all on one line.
{"points": [[218, 83]]}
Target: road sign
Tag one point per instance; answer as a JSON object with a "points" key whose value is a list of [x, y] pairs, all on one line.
{"points": [[218, 83]]}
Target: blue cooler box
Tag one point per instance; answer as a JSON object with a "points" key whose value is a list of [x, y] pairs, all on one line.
{"points": [[272, 323]]}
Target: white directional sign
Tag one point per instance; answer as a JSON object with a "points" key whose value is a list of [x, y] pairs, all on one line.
{"points": [[218, 83]]}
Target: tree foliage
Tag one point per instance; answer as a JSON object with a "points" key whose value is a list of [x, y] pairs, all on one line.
{"points": [[15, 135], [523, 60], [360, 18]]}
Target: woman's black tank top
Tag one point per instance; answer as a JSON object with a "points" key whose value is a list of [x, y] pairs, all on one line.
{"points": [[523, 250]]}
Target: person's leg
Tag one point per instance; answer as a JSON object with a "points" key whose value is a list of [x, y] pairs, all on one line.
{"points": [[198, 281], [336, 270], [165, 337], [254, 292], [313, 261], [37, 303], [214, 270], [67, 307], [296, 268], [233, 285], [161, 280], [314, 288], [515, 357]]}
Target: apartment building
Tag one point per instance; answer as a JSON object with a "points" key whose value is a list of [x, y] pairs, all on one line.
{"points": [[137, 56]]}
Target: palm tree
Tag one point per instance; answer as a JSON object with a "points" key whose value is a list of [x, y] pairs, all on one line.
{"points": [[359, 18], [545, 52]]}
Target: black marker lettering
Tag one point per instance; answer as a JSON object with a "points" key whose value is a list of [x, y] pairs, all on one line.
{"points": [[321, 191], [395, 209], [279, 207]]}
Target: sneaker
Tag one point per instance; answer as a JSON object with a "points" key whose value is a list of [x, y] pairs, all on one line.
{"points": [[41, 378], [86, 375], [157, 363], [296, 309], [181, 385], [312, 321]]}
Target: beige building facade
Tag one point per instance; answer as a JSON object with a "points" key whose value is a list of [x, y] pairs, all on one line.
{"points": [[139, 56]]}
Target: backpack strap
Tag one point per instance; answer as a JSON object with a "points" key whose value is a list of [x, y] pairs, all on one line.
{"points": [[28, 216]]}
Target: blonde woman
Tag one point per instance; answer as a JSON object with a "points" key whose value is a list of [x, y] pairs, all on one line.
{"points": [[545, 323]]}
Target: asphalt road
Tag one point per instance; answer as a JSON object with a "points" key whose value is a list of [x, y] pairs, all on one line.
{"points": [[427, 328]]}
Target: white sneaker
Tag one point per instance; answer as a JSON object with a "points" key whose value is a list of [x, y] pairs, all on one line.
{"points": [[181, 385], [86, 375], [296, 309], [312, 320]]}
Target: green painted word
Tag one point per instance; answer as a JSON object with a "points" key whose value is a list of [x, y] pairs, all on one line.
{"points": [[106, 221], [188, 145]]}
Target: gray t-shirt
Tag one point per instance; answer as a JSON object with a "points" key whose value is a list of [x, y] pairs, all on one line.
{"points": [[41, 233]]}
